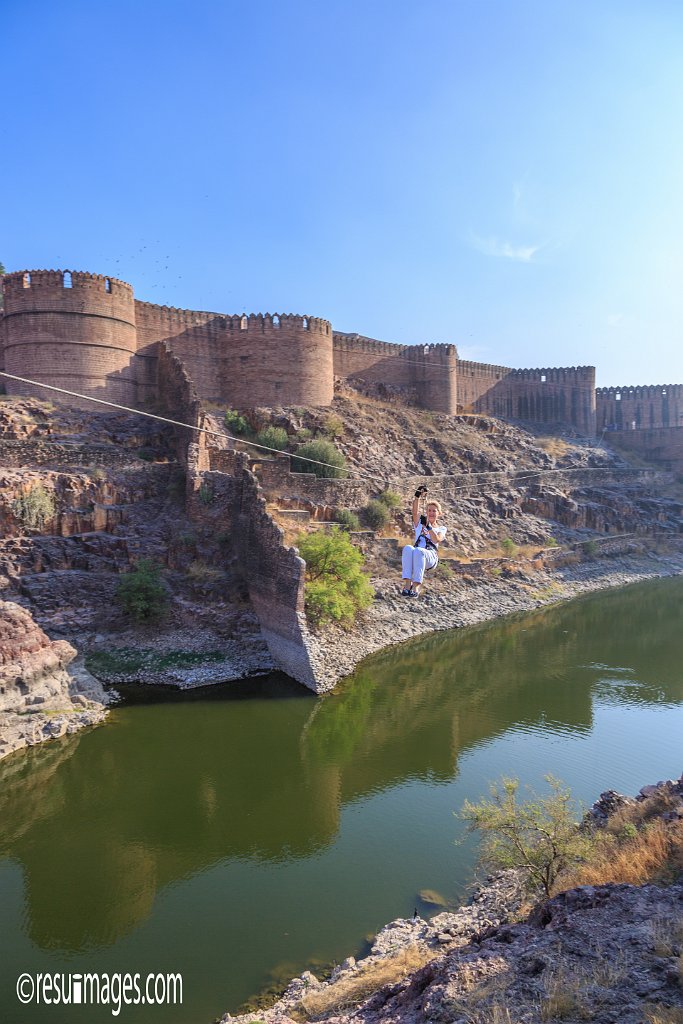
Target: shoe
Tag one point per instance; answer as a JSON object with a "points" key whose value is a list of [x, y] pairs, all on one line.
{"points": [[405, 592], [413, 593]]}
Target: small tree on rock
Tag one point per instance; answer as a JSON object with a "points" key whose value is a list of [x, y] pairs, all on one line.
{"points": [[541, 836], [141, 592]]}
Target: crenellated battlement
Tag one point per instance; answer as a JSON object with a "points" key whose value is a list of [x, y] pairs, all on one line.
{"points": [[41, 282], [87, 332], [640, 391]]}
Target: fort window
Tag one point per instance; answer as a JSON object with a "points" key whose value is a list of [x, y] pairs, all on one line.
{"points": [[243, 359], [107, 284], [27, 281], [244, 323], [543, 378], [276, 320], [66, 280], [305, 323], [617, 397]]}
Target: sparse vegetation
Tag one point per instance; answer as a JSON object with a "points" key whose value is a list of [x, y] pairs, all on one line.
{"points": [[347, 518], [376, 515], [273, 437], [508, 547], [35, 507], [391, 499], [590, 548], [333, 462], [201, 572], [350, 990], [444, 571], [206, 494], [332, 426], [541, 836], [141, 592], [236, 423], [336, 588]]}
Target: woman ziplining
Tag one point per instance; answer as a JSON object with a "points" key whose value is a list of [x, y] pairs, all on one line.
{"points": [[423, 555]]}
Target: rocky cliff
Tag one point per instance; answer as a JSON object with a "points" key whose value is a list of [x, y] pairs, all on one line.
{"points": [[43, 692]]}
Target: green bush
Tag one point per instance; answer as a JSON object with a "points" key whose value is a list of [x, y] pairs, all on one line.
{"points": [[541, 836], [35, 508], [273, 437], [236, 423], [509, 547], [347, 518], [391, 499], [302, 435], [590, 548], [376, 515], [444, 571], [336, 589], [320, 451], [141, 593]]}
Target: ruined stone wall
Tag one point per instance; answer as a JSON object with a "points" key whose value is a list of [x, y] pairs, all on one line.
{"points": [[244, 361], [230, 501], [179, 401], [427, 372], [546, 395], [73, 330], [639, 408]]}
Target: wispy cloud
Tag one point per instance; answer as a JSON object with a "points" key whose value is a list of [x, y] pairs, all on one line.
{"points": [[505, 250]]}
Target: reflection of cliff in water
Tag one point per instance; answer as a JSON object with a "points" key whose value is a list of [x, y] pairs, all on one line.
{"points": [[102, 822]]}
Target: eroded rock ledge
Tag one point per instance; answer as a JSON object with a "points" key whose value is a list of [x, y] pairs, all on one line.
{"points": [[44, 691]]}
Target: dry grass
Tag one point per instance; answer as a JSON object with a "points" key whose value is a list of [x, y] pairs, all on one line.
{"points": [[654, 855], [663, 1015], [563, 998], [494, 1014], [360, 985], [667, 935], [554, 446]]}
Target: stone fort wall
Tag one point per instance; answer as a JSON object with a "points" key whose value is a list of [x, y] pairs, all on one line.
{"points": [[87, 333], [639, 408]]}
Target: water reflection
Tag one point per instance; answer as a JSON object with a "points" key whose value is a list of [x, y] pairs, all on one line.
{"points": [[102, 822]]}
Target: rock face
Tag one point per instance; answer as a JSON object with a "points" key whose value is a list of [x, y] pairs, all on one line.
{"points": [[43, 694]]}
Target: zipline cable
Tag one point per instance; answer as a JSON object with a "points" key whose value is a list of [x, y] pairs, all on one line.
{"points": [[524, 474]]}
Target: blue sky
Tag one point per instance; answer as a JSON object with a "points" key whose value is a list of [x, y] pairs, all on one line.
{"points": [[506, 175]]}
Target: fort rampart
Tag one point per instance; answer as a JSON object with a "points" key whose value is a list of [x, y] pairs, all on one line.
{"points": [[87, 333], [639, 408]]}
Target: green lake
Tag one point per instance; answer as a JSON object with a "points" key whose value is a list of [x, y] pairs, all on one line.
{"points": [[242, 835]]}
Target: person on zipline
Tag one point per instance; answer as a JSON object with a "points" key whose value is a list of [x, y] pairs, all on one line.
{"points": [[424, 553]]}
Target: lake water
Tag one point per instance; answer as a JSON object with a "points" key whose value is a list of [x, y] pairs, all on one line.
{"points": [[241, 836]]}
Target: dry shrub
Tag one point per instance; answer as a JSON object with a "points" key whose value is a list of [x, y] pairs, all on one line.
{"points": [[641, 811], [494, 1014], [653, 855], [361, 984]]}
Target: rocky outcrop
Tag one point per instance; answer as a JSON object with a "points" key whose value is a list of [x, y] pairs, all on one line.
{"points": [[44, 693], [608, 953]]}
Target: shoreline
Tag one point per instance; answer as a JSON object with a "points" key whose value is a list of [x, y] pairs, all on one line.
{"points": [[393, 619]]}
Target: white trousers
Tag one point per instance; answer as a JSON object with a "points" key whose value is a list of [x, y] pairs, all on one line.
{"points": [[416, 560]]}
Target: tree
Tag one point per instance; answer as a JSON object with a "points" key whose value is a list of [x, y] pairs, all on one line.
{"points": [[541, 836], [336, 588], [141, 592]]}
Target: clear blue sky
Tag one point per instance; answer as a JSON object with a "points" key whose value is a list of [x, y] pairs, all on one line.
{"points": [[506, 175]]}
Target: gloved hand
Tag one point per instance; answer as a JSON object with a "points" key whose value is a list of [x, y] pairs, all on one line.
{"points": [[420, 491]]}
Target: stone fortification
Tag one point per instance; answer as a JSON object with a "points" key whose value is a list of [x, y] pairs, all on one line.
{"points": [[88, 333], [72, 330], [427, 372], [545, 395], [639, 408]]}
